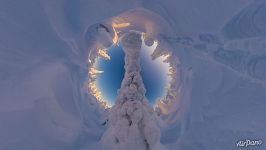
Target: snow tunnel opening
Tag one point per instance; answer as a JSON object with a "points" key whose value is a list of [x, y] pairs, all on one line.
{"points": [[156, 49]]}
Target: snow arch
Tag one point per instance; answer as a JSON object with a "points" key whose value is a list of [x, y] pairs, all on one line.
{"points": [[154, 28]]}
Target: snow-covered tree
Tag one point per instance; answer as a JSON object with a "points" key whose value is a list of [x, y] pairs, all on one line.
{"points": [[132, 124]]}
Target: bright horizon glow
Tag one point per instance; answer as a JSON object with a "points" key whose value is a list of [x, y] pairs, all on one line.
{"points": [[159, 61], [157, 65]]}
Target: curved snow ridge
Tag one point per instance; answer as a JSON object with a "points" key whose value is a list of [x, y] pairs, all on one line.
{"points": [[250, 22], [245, 56]]}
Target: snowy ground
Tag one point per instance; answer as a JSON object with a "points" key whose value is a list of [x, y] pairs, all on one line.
{"points": [[221, 47]]}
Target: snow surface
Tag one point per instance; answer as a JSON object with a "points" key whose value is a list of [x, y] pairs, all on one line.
{"points": [[217, 96]]}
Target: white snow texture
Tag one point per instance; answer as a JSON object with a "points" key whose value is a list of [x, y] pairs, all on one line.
{"points": [[216, 96]]}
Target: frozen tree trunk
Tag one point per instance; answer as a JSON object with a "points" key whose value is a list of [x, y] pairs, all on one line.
{"points": [[132, 121]]}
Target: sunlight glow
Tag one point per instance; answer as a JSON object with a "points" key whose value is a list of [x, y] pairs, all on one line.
{"points": [[94, 91], [116, 37], [121, 25], [118, 24], [103, 54]]}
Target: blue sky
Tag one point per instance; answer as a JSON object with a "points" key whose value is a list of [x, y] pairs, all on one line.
{"points": [[154, 77]]}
